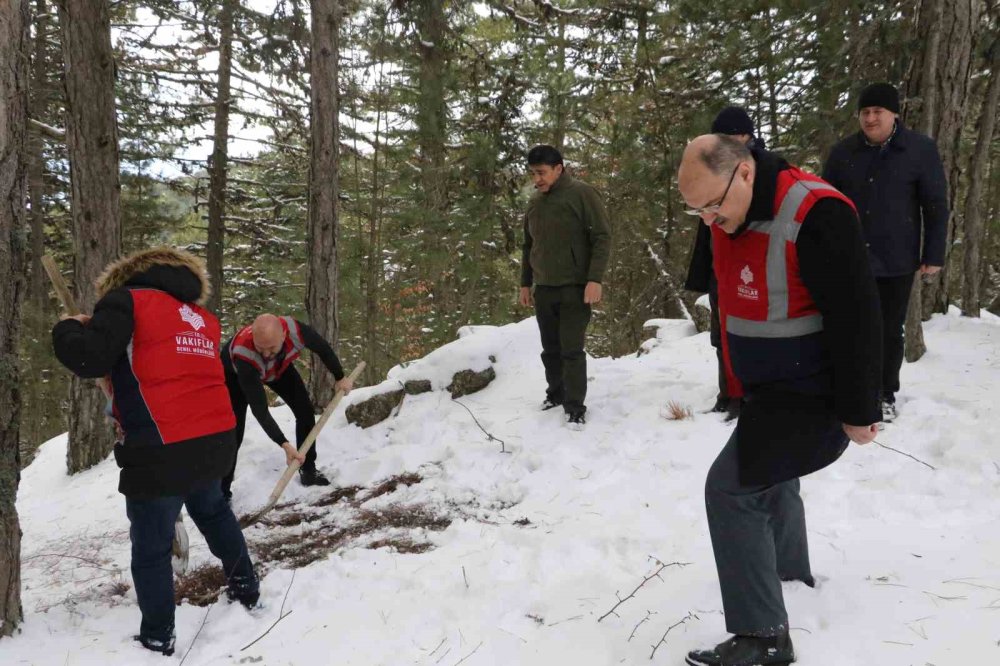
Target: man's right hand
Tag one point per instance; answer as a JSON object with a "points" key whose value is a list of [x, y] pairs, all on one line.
{"points": [[525, 298], [291, 453], [861, 434]]}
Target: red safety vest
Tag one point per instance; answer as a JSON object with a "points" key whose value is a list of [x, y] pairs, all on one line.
{"points": [[171, 386], [766, 312], [242, 348]]}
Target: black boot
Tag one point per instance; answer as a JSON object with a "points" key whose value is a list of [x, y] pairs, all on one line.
{"points": [[889, 412], [746, 651], [166, 648], [721, 405], [244, 589], [733, 409], [549, 403], [310, 476]]}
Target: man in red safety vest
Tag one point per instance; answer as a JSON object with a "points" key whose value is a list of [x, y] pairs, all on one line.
{"points": [[801, 338], [263, 354]]}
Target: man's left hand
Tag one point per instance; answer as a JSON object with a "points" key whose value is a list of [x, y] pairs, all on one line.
{"points": [[592, 293], [861, 434], [344, 385], [82, 318], [926, 269]]}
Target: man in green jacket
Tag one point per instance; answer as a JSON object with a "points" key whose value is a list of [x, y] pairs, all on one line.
{"points": [[567, 240]]}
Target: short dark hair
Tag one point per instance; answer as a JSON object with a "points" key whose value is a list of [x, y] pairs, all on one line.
{"points": [[723, 157], [544, 154]]}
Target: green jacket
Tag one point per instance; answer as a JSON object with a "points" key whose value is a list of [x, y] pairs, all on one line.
{"points": [[567, 237]]}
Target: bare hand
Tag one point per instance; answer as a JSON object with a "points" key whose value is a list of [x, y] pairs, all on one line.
{"points": [[525, 298], [926, 269], [291, 454], [861, 434], [592, 293], [82, 318], [344, 385]]}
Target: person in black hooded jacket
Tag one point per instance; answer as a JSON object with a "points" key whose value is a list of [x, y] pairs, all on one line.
{"points": [[158, 346]]}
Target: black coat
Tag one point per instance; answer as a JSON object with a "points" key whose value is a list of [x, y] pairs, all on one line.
{"points": [[787, 430], [896, 188]]}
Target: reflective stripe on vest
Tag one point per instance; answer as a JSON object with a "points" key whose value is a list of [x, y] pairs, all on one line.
{"points": [[781, 231]]}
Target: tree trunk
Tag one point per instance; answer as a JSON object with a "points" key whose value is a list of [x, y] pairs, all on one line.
{"points": [[219, 161], [958, 28], [13, 128], [431, 112], [36, 157], [978, 167], [560, 94], [92, 140], [321, 298], [922, 86]]}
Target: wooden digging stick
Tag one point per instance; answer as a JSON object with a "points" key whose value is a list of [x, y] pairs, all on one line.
{"points": [[279, 488], [180, 546]]}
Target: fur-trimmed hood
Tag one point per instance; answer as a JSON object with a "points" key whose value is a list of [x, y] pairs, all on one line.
{"points": [[179, 273]]}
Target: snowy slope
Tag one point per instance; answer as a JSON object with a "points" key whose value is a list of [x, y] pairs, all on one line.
{"points": [[908, 558]]}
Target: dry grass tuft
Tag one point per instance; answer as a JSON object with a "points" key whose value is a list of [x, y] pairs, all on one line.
{"points": [[200, 586], [678, 412]]}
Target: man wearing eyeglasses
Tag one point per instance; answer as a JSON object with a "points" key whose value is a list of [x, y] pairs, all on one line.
{"points": [[801, 332], [567, 240]]}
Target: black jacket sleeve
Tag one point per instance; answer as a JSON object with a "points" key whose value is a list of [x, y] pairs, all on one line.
{"points": [[318, 345], [833, 263], [253, 391], [91, 351], [831, 169], [527, 275], [700, 269], [932, 190]]}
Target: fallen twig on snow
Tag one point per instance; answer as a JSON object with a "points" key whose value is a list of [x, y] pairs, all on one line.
{"points": [[470, 654], [663, 639], [903, 453], [281, 614], [649, 614], [655, 574], [490, 436]]}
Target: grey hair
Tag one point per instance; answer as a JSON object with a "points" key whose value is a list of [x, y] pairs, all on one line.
{"points": [[722, 158]]}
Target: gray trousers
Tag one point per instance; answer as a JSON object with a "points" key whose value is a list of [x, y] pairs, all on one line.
{"points": [[759, 539]]}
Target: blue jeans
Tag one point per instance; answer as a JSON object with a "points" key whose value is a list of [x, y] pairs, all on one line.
{"points": [[152, 534]]}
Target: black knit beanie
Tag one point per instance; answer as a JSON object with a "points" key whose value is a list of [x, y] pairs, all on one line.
{"points": [[732, 120], [879, 94]]}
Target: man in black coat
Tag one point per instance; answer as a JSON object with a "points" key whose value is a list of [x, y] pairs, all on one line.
{"points": [[895, 179], [801, 333], [732, 121]]}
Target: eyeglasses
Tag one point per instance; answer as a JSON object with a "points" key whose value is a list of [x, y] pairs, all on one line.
{"points": [[714, 208]]}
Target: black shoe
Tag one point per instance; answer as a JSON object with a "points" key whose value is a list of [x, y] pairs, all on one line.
{"points": [[808, 581], [310, 476], [576, 420], [166, 648], [721, 405], [889, 411], [244, 589], [549, 403], [746, 651]]}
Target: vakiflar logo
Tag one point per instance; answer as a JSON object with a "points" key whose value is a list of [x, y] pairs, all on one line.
{"points": [[190, 316]]}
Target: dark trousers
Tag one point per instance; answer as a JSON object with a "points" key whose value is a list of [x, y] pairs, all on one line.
{"points": [[894, 295], [290, 388], [152, 535], [759, 539], [562, 321]]}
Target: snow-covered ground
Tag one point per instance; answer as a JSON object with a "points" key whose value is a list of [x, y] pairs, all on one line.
{"points": [[908, 558]]}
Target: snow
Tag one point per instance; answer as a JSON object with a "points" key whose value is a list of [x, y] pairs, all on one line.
{"points": [[908, 558]]}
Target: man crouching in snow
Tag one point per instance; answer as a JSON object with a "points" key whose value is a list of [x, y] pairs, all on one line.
{"points": [[264, 354], [161, 350], [801, 324]]}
